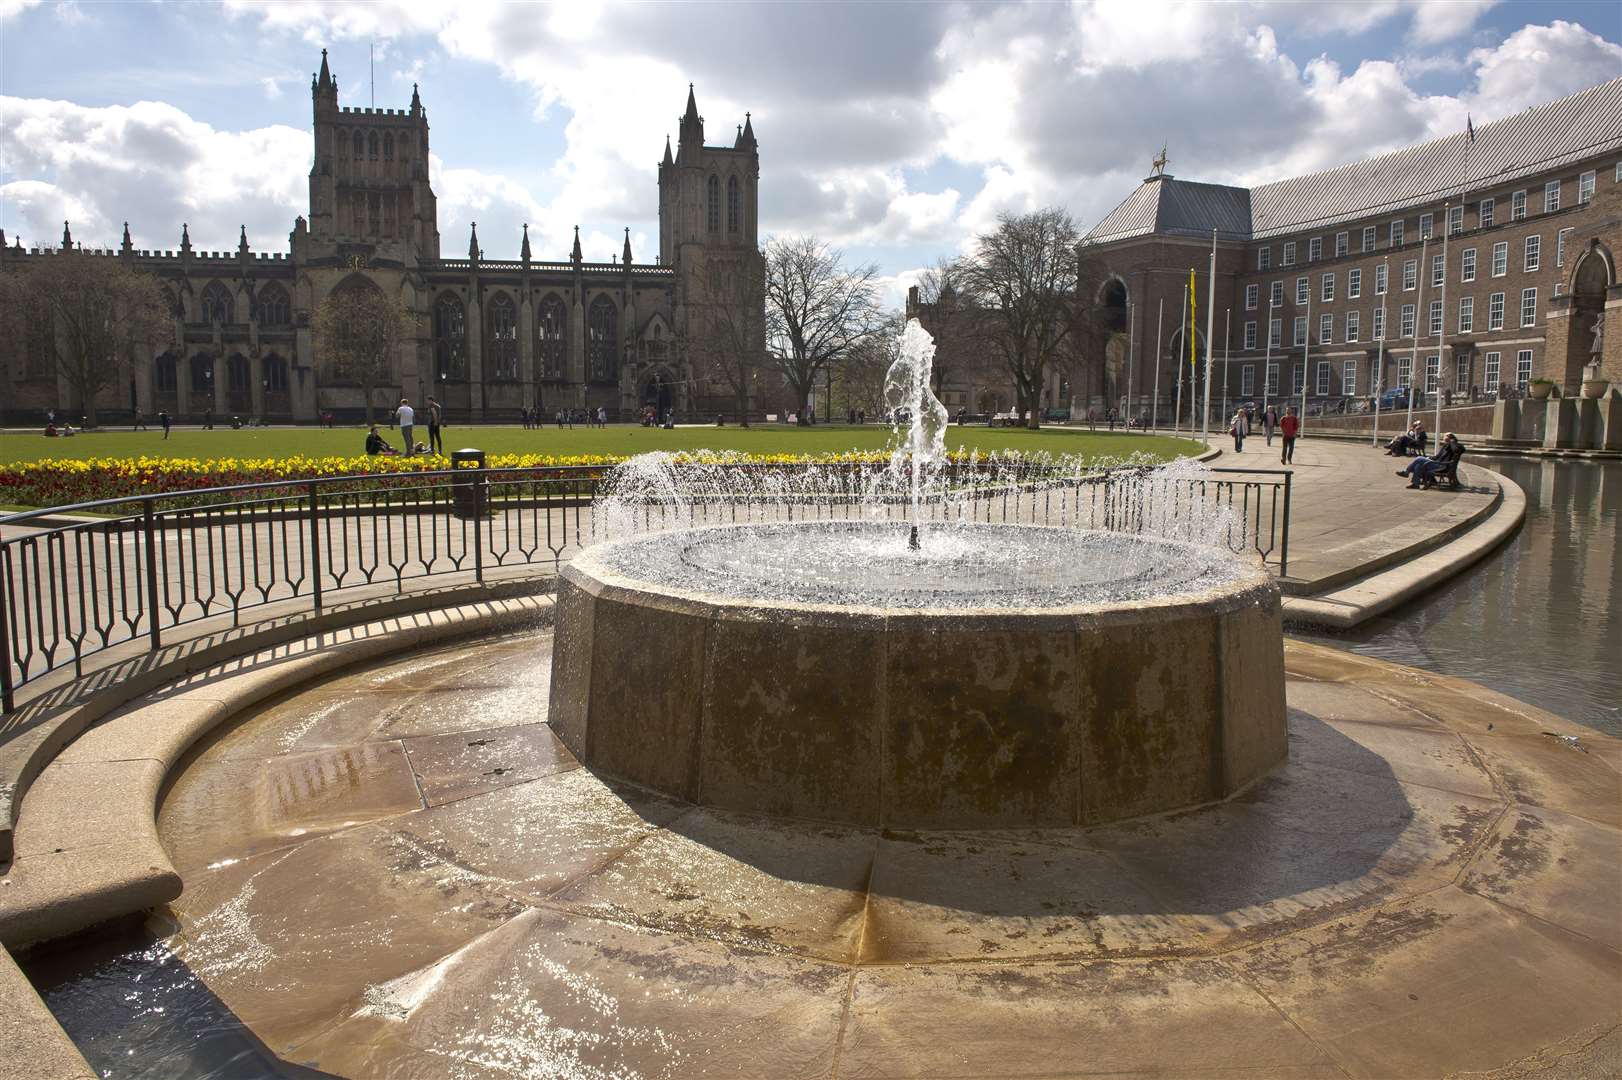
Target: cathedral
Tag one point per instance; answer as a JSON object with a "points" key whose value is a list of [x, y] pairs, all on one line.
{"points": [[493, 336]]}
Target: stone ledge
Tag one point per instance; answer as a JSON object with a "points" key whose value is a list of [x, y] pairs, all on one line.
{"points": [[35, 1046], [1367, 597], [112, 864]]}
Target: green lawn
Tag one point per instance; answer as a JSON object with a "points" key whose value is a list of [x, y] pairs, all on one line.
{"points": [[616, 439]]}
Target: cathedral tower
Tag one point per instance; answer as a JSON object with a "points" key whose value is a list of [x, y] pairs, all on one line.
{"points": [[369, 192]]}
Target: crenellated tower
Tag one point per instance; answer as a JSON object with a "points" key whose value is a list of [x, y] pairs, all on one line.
{"points": [[369, 189]]}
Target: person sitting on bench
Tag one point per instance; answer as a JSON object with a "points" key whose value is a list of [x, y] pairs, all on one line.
{"points": [[1422, 471]]}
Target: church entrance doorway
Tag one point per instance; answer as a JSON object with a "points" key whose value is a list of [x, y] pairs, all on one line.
{"points": [[658, 392]]}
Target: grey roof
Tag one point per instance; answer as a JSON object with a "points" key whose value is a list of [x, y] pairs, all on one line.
{"points": [[1545, 137]]}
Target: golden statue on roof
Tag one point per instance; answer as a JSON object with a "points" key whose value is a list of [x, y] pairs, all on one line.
{"points": [[1159, 163]]}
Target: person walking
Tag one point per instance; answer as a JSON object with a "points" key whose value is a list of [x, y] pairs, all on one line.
{"points": [[1269, 422], [436, 419], [140, 422], [408, 422], [1289, 427], [1239, 428], [163, 419]]}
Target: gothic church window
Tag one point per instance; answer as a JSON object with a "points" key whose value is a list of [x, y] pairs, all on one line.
{"points": [[732, 204], [360, 145], [275, 369], [202, 374], [551, 329], [217, 306], [503, 338], [164, 373], [388, 147], [371, 146], [274, 308], [602, 340], [449, 357], [714, 200]]}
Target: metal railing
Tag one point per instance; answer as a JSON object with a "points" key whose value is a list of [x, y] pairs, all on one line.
{"points": [[136, 568]]}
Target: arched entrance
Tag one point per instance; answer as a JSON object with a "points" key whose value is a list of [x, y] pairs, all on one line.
{"points": [[1589, 283], [659, 390]]}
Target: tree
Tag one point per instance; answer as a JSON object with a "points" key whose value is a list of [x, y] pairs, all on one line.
{"points": [[725, 336], [859, 377], [817, 310], [359, 330], [98, 307], [1024, 274]]}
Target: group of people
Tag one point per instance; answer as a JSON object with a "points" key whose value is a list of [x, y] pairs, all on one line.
{"points": [[376, 445], [1424, 470], [1288, 426], [1408, 442]]}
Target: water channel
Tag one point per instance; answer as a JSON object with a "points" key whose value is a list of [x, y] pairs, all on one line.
{"points": [[1538, 620]]}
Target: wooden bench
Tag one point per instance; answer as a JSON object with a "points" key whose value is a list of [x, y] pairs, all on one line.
{"points": [[1448, 472]]}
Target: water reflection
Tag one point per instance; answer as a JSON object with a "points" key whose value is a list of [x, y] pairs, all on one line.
{"points": [[1538, 620], [136, 1012]]}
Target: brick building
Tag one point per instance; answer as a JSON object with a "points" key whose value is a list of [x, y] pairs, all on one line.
{"points": [[493, 336], [1469, 265]]}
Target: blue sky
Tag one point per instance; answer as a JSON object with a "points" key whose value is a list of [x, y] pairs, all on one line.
{"points": [[897, 131]]}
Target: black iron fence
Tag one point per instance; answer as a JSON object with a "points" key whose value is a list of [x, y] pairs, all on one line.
{"points": [[78, 580]]}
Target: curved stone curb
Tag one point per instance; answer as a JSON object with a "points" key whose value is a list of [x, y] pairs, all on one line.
{"points": [[87, 849], [1367, 597], [35, 1046]]}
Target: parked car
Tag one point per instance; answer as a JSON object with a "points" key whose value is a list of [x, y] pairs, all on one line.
{"points": [[1397, 398]]}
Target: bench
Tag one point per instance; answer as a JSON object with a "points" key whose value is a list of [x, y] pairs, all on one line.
{"points": [[1448, 472]]}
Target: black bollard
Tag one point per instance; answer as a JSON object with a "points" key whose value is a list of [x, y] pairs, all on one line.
{"points": [[912, 539]]}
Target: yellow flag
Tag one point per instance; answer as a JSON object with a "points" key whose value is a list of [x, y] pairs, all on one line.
{"points": [[1193, 318]]}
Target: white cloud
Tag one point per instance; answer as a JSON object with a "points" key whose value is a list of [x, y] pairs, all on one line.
{"points": [[1537, 63], [272, 88], [10, 8], [1436, 21], [155, 166]]}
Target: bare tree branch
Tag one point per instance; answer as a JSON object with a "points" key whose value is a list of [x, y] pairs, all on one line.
{"points": [[358, 330], [817, 310]]}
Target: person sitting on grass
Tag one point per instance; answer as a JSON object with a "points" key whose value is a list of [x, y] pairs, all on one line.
{"points": [[375, 445], [1422, 471]]}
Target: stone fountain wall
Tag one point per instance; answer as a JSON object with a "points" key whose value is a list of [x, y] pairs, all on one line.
{"points": [[907, 719]]}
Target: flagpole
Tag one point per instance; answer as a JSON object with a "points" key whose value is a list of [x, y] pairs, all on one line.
{"points": [[1413, 362], [1227, 344], [1306, 363], [1210, 324], [1154, 403], [1177, 411], [1193, 345], [1267, 359]]}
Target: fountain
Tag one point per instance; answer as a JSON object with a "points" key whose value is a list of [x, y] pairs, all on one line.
{"points": [[962, 668]]}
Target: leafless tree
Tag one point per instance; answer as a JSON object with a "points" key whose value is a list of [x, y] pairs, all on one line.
{"points": [[725, 333], [358, 330], [1024, 274], [98, 308], [959, 325], [859, 376], [817, 310]]}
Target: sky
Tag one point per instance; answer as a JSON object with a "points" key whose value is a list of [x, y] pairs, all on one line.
{"points": [[897, 132]]}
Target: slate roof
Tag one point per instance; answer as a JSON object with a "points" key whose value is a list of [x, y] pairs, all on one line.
{"points": [[1545, 137]]}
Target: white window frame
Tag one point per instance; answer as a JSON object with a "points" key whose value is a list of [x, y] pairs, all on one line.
{"points": [[1523, 369], [1253, 296], [1381, 276], [1354, 283], [1379, 324], [1551, 196], [1461, 371], [1455, 220], [1326, 328], [1264, 258], [1529, 307], [1495, 311], [1275, 332], [1371, 236], [1325, 373], [1484, 213], [1247, 380], [1467, 314], [1585, 188], [1467, 265], [1405, 371], [1532, 253], [1410, 275], [1427, 225], [1433, 319], [1289, 253], [1396, 233], [1343, 244], [1560, 246], [1298, 376], [1326, 289], [1303, 289], [1492, 370], [1250, 334], [1272, 377], [1405, 322], [1354, 325], [1517, 206], [1298, 332], [1500, 258], [1438, 271], [1315, 249], [1433, 373], [1348, 378], [1275, 294]]}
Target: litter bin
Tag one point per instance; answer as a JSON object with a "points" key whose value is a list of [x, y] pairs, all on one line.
{"points": [[469, 493]]}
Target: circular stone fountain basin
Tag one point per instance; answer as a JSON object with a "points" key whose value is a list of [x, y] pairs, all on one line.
{"points": [[1003, 675]]}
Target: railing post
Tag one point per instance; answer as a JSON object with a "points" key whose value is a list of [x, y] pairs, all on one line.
{"points": [[480, 501], [1284, 541], [150, 531], [6, 702], [315, 546]]}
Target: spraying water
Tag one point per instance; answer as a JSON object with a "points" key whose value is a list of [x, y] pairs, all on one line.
{"points": [[921, 453]]}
